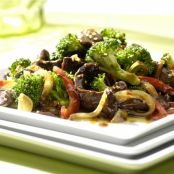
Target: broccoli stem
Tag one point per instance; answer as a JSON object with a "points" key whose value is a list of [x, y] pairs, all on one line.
{"points": [[115, 70]]}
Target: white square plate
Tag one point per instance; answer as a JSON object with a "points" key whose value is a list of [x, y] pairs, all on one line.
{"points": [[81, 156], [124, 151], [122, 133]]}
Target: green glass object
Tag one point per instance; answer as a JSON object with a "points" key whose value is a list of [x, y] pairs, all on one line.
{"points": [[20, 16]]}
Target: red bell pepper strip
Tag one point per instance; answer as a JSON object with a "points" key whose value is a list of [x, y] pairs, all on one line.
{"points": [[74, 103], [170, 111], [7, 84], [158, 84], [172, 68], [171, 104], [160, 111], [3, 82]]}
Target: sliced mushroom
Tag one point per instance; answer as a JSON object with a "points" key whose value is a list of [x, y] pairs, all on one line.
{"points": [[71, 64], [44, 61]]}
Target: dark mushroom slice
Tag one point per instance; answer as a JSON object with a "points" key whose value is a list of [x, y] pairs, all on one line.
{"points": [[71, 64], [89, 37], [6, 98], [48, 65], [44, 61]]}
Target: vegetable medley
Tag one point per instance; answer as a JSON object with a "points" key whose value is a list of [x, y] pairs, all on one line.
{"points": [[92, 75]]}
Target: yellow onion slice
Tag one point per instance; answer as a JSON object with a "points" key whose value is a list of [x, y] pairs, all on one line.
{"points": [[48, 84], [93, 114], [124, 95], [139, 68], [149, 88]]}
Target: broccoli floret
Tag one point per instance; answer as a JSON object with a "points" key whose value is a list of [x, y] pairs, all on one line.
{"points": [[68, 46], [18, 65], [104, 53], [71, 75], [58, 92], [128, 56], [30, 85], [108, 33], [168, 60], [98, 83]]}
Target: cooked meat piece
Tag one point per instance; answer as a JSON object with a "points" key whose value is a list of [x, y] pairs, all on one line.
{"points": [[46, 106], [89, 37], [89, 99], [111, 107], [134, 104], [71, 65], [48, 65], [44, 61], [118, 86], [85, 75], [5, 98], [167, 76], [163, 101], [44, 55]]}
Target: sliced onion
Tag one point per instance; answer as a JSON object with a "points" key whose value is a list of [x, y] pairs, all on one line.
{"points": [[149, 88], [139, 68], [93, 114], [120, 116], [48, 82], [124, 95]]}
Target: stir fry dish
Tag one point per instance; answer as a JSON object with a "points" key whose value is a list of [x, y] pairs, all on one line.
{"points": [[92, 75]]}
